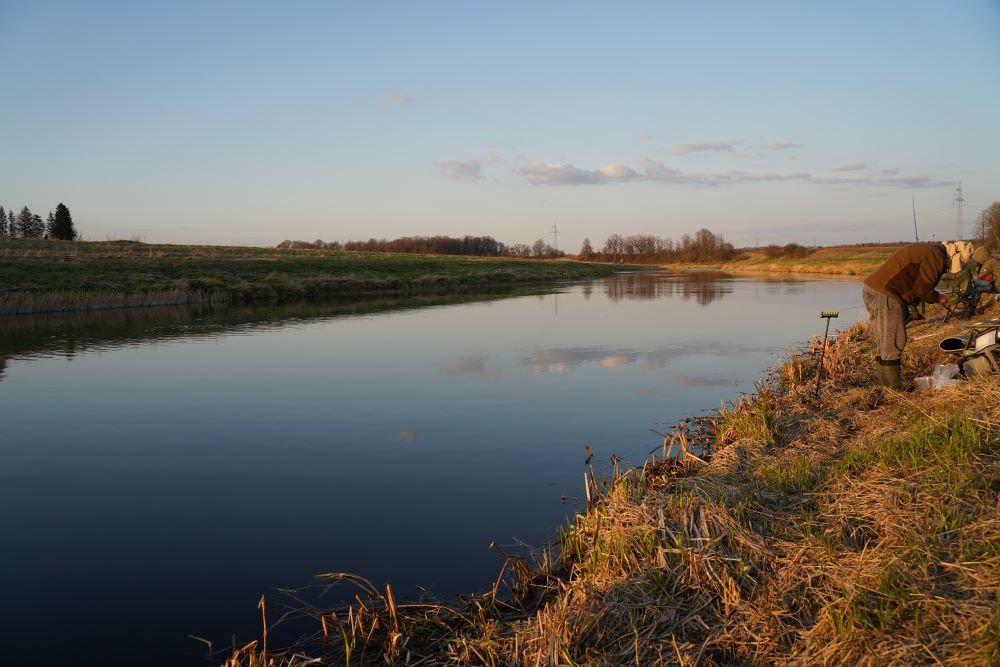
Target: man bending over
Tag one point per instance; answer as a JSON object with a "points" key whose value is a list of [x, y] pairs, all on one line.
{"points": [[909, 276]]}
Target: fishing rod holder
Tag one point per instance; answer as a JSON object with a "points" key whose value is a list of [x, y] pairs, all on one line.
{"points": [[826, 315]]}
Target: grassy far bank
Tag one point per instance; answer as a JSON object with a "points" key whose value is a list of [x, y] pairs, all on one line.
{"points": [[38, 276], [839, 260], [859, 527]]}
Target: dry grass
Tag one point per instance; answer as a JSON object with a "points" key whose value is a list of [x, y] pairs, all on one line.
{"points": [[860, 527], [838, 260]]}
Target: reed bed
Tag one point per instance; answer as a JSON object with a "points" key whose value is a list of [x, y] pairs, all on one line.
{"points": [[857, 527]]}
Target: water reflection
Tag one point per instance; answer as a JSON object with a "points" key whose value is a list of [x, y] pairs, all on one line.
{"points": [[702, 286], [70, 334], [704, 381], [566, 359], [471, 364]]}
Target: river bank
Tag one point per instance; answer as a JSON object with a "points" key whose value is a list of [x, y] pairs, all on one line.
{"points": [[839, 260], [58, 276], [859, 527]]}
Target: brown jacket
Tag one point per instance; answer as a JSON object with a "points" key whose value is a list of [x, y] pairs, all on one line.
{"points": [[911, 273]]}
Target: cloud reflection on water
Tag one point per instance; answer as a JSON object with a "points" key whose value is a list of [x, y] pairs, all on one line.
{"points": [[469, 364], [706, 381], [565, 359]]}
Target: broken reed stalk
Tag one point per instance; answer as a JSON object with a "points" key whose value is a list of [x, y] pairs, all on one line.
{"points": [[263, 620]]}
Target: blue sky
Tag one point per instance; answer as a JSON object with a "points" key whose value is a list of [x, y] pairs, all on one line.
{"points": [[246, 122]]}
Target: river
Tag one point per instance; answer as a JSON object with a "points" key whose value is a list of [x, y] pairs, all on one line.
{"points": [[163, 468]]}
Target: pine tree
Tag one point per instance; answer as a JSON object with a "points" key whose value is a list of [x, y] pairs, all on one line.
{"points": [[3, 222], [62, 224], [24, 223], [50, 226], [11, 227], [37, 226]]}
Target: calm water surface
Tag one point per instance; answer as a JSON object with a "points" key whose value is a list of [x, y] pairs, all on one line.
{"points": [[162, 469]]}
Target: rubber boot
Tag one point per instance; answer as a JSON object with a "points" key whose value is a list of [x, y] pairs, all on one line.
{"points": [[889, 373]]}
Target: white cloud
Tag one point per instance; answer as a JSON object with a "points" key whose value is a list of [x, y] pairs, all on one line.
{"points": [[558, 173], [643, 136], [921, 181], [563, 173], [654, 171], [398, 99], [778, 145], [891, 171], [467, 170], [851, 166], [707, 146], [617, 172]]}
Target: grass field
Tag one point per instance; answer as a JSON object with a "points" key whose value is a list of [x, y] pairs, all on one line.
{"points": [[40, 276]]}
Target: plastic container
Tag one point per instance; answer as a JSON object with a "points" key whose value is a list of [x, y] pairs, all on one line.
{"points": [[923, 383], [943, 376]]}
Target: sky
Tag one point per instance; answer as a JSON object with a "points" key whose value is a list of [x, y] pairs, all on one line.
{"points": [[253, 122]]}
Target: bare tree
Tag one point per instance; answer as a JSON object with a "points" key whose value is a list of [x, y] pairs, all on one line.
{"points": [[989, 221]]}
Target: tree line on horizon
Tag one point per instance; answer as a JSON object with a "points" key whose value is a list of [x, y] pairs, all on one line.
{"points": [[28, 225], [704, 246], [472, 246]]}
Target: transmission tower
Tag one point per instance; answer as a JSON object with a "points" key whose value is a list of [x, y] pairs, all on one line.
{"points": [[959, 206], [555, 237]]}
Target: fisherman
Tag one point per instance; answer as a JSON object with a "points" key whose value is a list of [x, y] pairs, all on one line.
{"points": [[989, 270], [908, 277]]}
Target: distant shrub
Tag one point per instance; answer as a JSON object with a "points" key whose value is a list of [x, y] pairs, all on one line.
{"points": [[795, 251], [772, 251]]}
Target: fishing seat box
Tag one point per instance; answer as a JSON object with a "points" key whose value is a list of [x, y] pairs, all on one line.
{"points": [[985, 361]]}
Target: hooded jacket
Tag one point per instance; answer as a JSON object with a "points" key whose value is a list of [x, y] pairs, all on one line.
{"points": [[911, 273]]}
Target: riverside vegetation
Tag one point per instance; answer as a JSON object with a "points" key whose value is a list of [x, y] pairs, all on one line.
{"points": [[45, 275], [859, 527]]}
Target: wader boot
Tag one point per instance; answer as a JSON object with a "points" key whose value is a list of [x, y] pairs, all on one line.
{"points": [[889, 373]]}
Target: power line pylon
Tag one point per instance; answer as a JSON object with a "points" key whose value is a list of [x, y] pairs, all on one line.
{"points": [[959, 206]]}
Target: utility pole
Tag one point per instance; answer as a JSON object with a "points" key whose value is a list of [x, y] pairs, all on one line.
{"points": [[915, 235], [555, 237], [959, 205]]}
